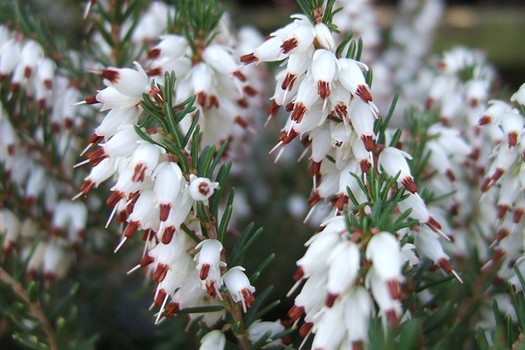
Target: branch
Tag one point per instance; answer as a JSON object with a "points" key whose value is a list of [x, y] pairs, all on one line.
{"points": [[35, 309]]}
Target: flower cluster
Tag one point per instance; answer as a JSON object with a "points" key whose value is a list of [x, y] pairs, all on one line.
{"points": [[346, 270], [36, 173]]}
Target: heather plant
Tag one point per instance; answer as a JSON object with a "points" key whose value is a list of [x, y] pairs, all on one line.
{"points": [[163, 187]]}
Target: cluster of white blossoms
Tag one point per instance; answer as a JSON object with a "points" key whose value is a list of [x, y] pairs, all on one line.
{"points": [[346, 272], [227, 92], [504, 182], [152, 191], [36, 173]]}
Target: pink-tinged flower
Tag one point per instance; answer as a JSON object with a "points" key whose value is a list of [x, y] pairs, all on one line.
{"points": [[239, 287], [201, 188], [127, 81], [324, 37], [167, 186], [343, 267], [209, 263], [393, 162], [214, 340], [351, 77], [427, 243], [358, 309], [323, 70], [385, 253]]}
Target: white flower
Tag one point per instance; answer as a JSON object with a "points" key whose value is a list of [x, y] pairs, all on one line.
{"points": [[393, 161], [127, 81], [214, 340], [519, 96], [239, 287], [202, 188]]}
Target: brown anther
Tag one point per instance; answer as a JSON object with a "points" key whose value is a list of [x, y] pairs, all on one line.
{"points": [[97, 156], [450, 175], [146, 260], [205, 269], [201, 98], [305, 329], [27, 72], [159, 299], [298, 112], [167, 235], [368, 142], [248, 297], [249, 58], [132, 227], [160, 272], [296, 312], [512, 138], [171, 309], [139, 172], [289, 45], [239, 75], [409, 184], [433, 224], [273, 109], [314, 198], [243, 102], [486, 119], [154, 53], [242, 122], [155, 72], [330, 299], [111, 75], [299, 273], [87, 186], [323, 89], [364, 93], [288, 81], [249, 90]]}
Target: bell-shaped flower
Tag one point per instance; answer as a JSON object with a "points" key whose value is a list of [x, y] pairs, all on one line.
{"points": [[201, 188], [127, 81], [393, 161], [213, 340], [239, 287]]}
